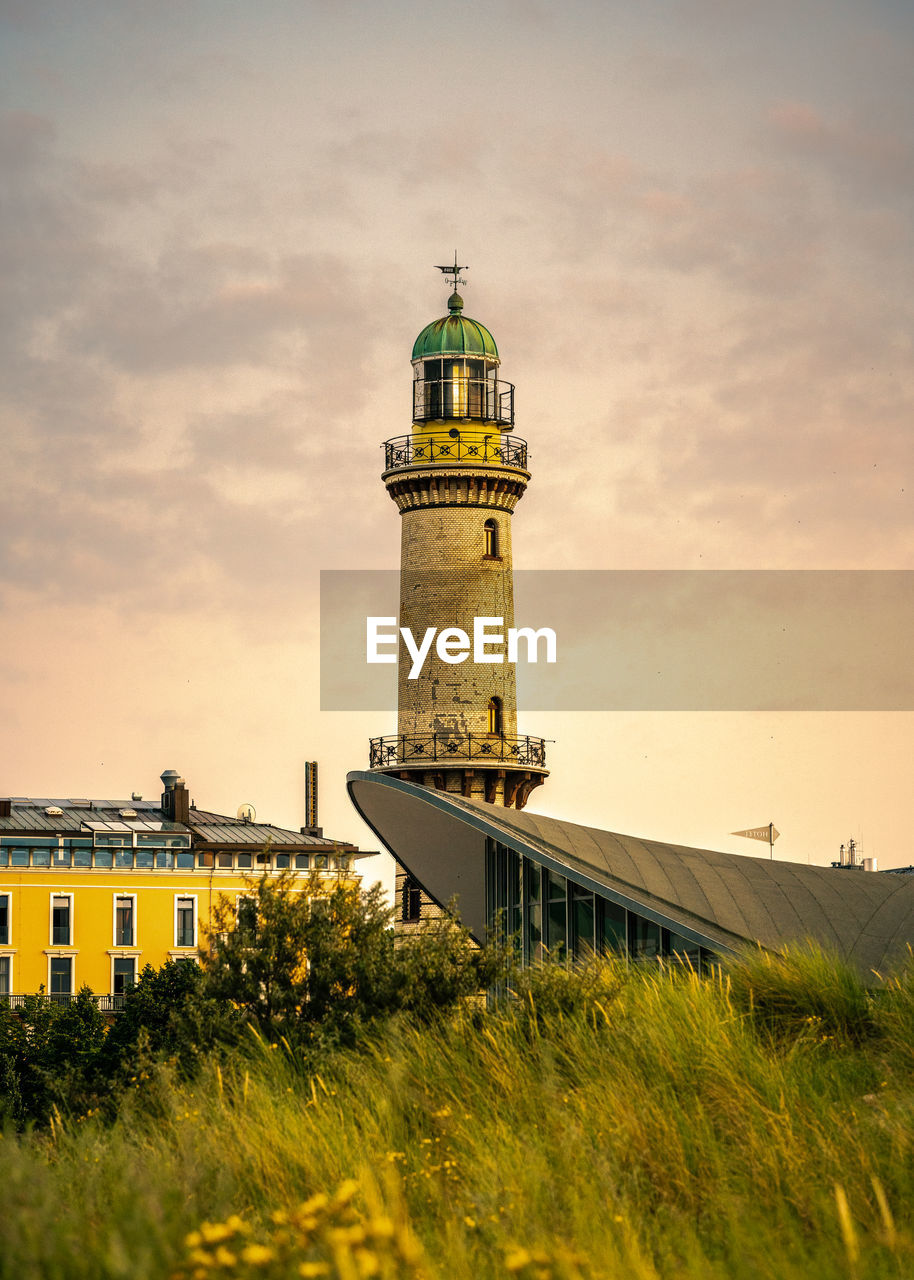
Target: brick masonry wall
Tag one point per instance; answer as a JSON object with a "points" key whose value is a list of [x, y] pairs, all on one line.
{"points": [[446, 581]]}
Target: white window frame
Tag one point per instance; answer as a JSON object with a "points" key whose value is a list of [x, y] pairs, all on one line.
{"points": [[185, 897], [243, 897], [124, 953], [127, 946], [9, 920], [56, 894], [62, 954]]}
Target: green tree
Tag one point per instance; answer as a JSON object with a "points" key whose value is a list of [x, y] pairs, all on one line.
{"points": [[48, 1053], [170, 1016], [310, 962]]}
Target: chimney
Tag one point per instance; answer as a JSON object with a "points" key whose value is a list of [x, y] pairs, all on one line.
{"points": [[6, 808], [175, 797], [311, 827]]}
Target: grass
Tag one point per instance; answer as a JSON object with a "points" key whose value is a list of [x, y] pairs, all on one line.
{"points": [[645, 1123]]}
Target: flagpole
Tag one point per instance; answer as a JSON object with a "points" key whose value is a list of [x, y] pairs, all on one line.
{"points": [[771, 841]]}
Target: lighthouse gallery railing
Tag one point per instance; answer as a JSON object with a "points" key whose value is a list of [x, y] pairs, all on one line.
{"points": [[456, 446], [417, 748]]}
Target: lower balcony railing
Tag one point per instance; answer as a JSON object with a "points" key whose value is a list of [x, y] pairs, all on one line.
{"points": [[410, 749], [105, 1003]]}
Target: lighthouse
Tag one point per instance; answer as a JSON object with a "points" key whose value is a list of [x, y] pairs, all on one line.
{"points": [[456, 479]]}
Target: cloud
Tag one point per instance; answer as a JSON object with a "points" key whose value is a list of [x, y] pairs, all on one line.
{"points": [[25, 138], [875, 161]]}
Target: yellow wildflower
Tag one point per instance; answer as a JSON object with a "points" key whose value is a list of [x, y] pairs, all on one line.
{"points": [[367, 1263], [345, 1191], [215, 1232], [318, 1201], [257, 1254], [308, 1270], [348, 1235], [224, 1257], [518, 1259]]}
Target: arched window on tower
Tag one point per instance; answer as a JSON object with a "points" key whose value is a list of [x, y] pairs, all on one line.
{"points": [[495, 717], [490, 530]]}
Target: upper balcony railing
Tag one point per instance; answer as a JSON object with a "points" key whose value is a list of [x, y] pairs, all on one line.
{"points": [[461, 396], [417, 749], [470, 448]]}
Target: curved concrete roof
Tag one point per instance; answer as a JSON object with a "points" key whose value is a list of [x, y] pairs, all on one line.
{"points": [[721, 899]]}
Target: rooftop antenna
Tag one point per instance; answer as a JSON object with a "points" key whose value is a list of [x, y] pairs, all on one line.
{"points": [[454, 271]]}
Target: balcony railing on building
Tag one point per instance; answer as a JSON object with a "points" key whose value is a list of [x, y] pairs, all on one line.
{"points": [[461, 396], [415, 749], [105, 1003], [470, 448]]}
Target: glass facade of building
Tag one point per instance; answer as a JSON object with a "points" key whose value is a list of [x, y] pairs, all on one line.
{"points": [[548, 913], [167, 852]]}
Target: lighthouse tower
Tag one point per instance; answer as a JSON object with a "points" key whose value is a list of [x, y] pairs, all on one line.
{"points": [[456, 479]]}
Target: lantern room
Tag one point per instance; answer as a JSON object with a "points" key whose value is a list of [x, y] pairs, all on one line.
{"points": [[455, 364]]}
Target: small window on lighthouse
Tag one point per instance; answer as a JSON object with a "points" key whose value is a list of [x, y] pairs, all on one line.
{"points": [[495, 715], [490, 529]]}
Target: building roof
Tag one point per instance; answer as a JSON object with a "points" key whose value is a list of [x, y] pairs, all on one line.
{"points": [[215, 828], [29, 815], [455, 335], [724, 899]]}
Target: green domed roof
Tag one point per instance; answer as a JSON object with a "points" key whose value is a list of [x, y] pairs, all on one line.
{"points": [[455, 335]]}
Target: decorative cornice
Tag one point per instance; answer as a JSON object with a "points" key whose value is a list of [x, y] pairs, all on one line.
{"points": [[496, 489]]}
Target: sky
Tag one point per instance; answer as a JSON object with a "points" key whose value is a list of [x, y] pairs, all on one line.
{"points": [[688, 224]]}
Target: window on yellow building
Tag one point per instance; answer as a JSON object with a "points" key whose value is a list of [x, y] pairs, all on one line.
{"points": [[247, 914], [123, 922], [5, 967], [185, 924], [494, 715], [490, 531], [61, 976], [61, 911], [124, 975], [4, 919]]}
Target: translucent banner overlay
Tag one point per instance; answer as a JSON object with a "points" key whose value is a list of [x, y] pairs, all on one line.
{"points": [[663, 640]]}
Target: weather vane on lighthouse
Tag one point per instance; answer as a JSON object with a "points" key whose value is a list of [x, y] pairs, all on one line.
{"points": [[454, 271]]}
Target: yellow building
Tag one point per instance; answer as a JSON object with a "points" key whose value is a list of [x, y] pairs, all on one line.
{"points": [[91, 891]]}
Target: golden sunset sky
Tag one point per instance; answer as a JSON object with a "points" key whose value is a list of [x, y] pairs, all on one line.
{"points": [[688, 225]]}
